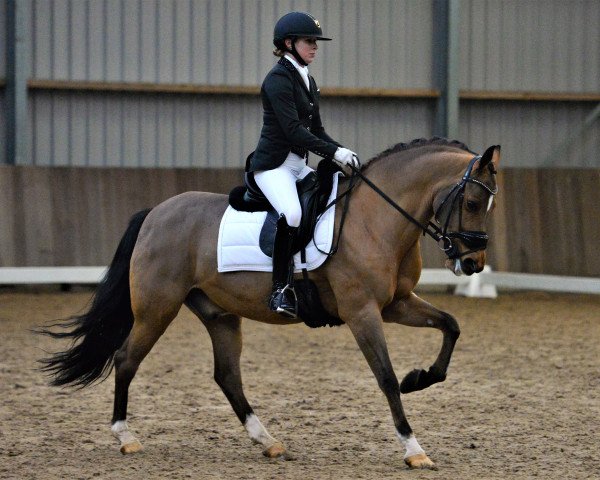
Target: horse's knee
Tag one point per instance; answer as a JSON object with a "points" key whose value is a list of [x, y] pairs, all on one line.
{"points": [[450, 325], [226, 378]]}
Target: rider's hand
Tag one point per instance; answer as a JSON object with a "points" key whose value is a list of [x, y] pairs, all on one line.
{"points": [[344, 156]]}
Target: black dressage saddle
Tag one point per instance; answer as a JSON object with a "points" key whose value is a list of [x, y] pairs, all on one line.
{"points": [[313, 191]]}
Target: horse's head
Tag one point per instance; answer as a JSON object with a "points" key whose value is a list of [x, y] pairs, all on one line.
{"points": [[461, 211]]}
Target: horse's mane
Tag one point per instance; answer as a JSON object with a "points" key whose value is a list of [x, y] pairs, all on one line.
{"points": [[420, 142]]}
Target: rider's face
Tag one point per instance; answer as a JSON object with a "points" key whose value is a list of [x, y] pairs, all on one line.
{"points": [[306, 48]]}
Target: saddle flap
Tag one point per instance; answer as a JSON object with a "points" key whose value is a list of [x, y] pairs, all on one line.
{"points": [[267, 233]]}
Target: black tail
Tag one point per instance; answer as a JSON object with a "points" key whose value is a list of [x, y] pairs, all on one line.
{"points": [[104, 328]]}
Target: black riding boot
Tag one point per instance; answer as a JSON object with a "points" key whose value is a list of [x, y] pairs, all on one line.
{"points": [[283, 298]]}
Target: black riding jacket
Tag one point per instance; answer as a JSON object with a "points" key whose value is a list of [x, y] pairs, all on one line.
{"points": [[291, 119]]}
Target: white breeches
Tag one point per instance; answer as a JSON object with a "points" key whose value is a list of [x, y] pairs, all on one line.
{"points": [[279, 186]]}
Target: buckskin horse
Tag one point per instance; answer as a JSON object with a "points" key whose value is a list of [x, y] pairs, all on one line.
{"points": [[167, 257]]}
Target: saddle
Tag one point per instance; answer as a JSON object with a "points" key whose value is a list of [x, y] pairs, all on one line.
{"points": [[313, 192]]}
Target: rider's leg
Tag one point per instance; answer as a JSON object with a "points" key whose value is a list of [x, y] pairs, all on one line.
{"points": [[279, 186], [283, 297]]}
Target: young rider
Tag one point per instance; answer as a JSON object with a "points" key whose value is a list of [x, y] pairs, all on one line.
{"points": [[291, 128]]}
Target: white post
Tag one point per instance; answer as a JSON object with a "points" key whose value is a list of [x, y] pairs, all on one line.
{"points": [[476, 287]]}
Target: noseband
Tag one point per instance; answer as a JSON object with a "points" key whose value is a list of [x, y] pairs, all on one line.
{"points": [[472, 239]]}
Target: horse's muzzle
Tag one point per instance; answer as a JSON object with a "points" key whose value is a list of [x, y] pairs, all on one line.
{"points": [[470, 266], [467, 266]]}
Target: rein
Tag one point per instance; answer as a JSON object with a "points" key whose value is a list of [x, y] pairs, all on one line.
{"points": [[474, 240], [346, 194]]}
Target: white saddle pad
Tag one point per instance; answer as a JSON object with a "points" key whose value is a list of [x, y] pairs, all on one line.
{"points": [[238, 248]]}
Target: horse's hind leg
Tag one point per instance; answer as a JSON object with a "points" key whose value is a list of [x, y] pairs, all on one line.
{"points": [[150, 323], [415, 312], [226, 336]]}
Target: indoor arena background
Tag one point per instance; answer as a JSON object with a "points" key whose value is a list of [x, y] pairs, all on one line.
{"points": [[110, 106]]}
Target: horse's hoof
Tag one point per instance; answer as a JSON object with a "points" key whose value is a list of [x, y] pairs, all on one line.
{"points": [[274, 451], [420, 460], [132, 447], [411, 381]]}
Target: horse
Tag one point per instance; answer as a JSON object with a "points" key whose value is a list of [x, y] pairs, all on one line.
{"points": [[167, 257]]}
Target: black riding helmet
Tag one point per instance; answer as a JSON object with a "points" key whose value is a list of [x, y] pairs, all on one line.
{"points": [[296, 25]]}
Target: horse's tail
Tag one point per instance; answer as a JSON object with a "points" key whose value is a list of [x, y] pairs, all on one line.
{"points": [[105, 326]]}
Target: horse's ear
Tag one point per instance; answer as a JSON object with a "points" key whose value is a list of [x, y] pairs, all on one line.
{"points": [[492, 154]]}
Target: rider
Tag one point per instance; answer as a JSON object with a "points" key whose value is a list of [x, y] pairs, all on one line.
{"points": [[291, 128]]}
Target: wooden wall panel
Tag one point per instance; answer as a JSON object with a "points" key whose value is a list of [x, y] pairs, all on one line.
{"points": [[551, 222], [545, 220], [62, 216], [9, 216]]}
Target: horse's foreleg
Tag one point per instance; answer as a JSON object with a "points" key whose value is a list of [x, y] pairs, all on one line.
{"points": [[367, 328], [415, 312], [226, 336]]}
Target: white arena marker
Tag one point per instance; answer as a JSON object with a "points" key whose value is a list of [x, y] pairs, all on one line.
{"points": [[478, 285], [51, 275]]}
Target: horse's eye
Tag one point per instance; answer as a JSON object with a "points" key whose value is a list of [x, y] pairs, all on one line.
{"points": [[472, 206]]}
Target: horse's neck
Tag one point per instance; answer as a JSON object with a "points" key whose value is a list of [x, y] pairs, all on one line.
{"points": [[412, 182]]}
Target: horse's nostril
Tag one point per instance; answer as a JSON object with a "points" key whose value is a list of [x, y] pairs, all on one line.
{"points": [[469, 266]]}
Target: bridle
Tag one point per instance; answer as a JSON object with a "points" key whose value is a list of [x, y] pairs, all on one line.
{"points": [[472, 239]]}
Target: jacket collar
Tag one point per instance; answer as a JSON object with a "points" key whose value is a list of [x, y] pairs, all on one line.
{"points": [[290, 66]]}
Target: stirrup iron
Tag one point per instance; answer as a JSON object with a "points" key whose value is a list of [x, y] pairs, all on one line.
{"points": [[279, 299]]}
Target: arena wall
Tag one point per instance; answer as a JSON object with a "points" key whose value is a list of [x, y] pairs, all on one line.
{"points": [[64, 216], [115, 70], [2, 81], [2, 128], [169, 90], [2, 43]]}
